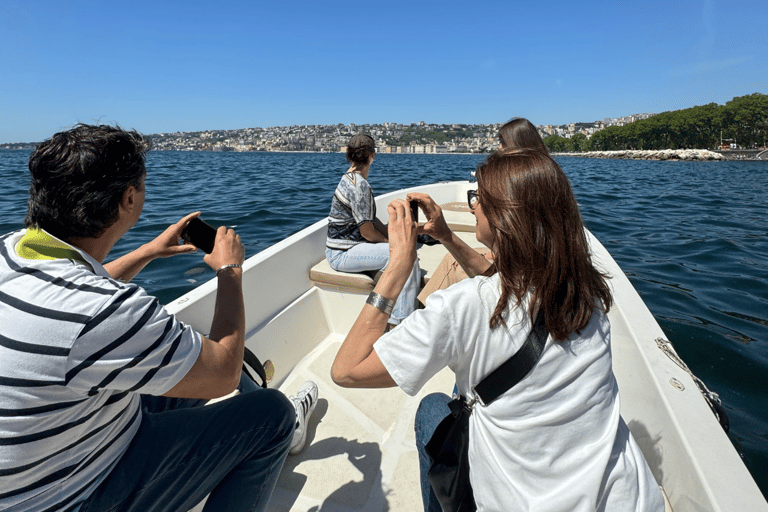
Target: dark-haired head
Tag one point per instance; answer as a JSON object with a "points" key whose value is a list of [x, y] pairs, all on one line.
{"points": [[360, 148], [540, 244], [78, 178], [520, 133]]}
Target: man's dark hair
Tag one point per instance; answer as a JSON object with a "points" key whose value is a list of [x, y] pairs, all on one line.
{"points": [[79, 177]]}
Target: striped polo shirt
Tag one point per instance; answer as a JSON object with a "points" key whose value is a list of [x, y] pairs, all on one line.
{"points": [[77, 349]]}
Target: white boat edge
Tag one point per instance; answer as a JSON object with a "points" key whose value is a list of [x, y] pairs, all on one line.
{"points": [[689, 453]]}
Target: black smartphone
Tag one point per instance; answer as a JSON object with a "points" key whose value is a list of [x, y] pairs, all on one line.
{"points": [[200, 234], [414, 210]]}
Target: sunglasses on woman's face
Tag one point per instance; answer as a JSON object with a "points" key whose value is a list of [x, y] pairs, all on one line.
{"points": [[472, 198]]}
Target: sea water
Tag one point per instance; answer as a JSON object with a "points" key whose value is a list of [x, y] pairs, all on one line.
{"points": [[691, 236]]}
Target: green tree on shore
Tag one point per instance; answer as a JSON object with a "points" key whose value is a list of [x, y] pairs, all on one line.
{"points": [[743, 119]]}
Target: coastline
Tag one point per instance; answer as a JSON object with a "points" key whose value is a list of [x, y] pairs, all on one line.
{"points": [[690, 155], [664, 154], [697, 155]]}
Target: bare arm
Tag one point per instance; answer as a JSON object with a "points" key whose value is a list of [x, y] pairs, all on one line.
{"points": [[166, 244], [473, 263], [374, 232], [357, 364], [216, 371]]}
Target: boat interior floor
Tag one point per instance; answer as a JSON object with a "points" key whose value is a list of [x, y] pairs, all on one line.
{"points": [[377, 469]]}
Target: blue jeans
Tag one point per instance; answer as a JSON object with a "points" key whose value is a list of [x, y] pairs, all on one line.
{"points": [[233, 450], [432, 409], [367, 256]]}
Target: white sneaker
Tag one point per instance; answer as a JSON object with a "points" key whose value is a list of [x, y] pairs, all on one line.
{"points": [[304, 402]]}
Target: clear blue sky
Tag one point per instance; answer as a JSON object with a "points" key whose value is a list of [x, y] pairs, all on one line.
{"points": [[165, 66]]}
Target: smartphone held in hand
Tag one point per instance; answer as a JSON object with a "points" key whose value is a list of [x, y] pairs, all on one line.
{"points": [[414, 210], [200, 234]]}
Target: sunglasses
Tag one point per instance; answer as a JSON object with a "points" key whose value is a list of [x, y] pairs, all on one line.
{"points": [[472, 198]]}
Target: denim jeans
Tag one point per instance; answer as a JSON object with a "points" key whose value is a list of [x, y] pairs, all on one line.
{"points": [[183, 451], [368, 256], [432, 409]]}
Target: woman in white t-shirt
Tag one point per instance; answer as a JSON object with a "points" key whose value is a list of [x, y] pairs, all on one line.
{"points": [[555, 441]]}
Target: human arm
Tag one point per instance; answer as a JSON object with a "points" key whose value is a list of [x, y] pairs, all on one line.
{"points": [[166, 244], [473, 263], [216, 371], [356, 363], [374, 231], [363, 208]]}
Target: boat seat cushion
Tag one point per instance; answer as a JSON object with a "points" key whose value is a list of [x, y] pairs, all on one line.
{"points": [[325, 277]]}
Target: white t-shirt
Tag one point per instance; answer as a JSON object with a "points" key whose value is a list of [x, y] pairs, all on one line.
{"points": [[556, 441]]}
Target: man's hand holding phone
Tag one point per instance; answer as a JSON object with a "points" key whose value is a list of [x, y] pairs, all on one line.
{"points": [[200, 234], [222, 245], [227, 250]]}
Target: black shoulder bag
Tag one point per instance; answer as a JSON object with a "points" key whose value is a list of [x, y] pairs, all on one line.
{"points": [[449, 445]]}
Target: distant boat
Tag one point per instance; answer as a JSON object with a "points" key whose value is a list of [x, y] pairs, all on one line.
{"points": [[360, 452]]}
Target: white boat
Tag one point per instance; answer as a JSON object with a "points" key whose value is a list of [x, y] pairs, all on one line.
{"points": [[360, 452]]}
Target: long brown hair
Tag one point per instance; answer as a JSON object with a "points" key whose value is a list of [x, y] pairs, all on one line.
{"points": [[520, 133], [540, 244]]}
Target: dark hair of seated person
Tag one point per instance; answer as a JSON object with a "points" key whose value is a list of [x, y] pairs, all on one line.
{"points": [[78, 178], [520, 133], [360, 148]]}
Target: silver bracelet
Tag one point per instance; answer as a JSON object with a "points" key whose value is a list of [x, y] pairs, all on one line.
{"points": [[231, 265], [381, 303]]}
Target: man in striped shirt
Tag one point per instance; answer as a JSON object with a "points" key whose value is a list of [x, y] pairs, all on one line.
{"points": [[96, 377]]}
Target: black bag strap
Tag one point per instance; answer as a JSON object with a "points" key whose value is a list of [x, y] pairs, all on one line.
{"points": [[250, 359], [516, 367]]}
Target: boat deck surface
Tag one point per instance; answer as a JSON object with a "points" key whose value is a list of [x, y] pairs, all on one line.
{"points": [[378, 469]]}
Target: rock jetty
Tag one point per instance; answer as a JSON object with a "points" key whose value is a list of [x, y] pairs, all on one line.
{"points": [[664, 154]]}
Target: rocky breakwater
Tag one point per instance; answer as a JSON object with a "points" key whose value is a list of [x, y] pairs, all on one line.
{"points": [[664, 154]]}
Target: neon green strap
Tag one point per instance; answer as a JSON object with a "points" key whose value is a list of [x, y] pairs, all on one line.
{"points": [[36, 244]]}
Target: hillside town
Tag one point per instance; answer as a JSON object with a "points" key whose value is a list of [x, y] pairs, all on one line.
{"points": [[390, 137], [411, 138]]}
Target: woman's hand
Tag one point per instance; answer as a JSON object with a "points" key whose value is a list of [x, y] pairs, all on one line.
{"points": [[167, 243], [436, 227], [402, 231], [470, 260]]}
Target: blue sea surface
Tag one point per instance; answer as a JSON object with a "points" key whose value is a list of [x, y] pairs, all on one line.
{"points": [[691, 236]]}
